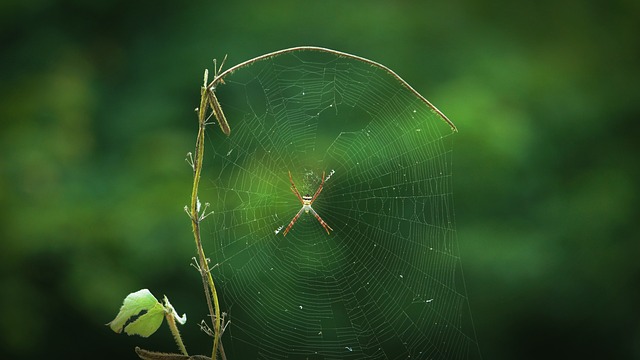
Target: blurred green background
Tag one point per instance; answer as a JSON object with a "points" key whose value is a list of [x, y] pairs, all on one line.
{"points": [[96, 109]]}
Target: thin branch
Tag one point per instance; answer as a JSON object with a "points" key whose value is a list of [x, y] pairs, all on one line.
{"points": [[219, 77], [207, 280]]}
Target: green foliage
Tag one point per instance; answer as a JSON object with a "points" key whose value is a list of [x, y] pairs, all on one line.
{"points": [[141, 314], [96, 101]]}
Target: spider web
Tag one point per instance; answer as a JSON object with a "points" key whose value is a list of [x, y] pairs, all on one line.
{"points": [[386, 283]]}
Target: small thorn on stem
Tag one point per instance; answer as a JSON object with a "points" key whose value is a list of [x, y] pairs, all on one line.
{"points": [[189, 160], [186, 209], [204, 214], [205, 328]]}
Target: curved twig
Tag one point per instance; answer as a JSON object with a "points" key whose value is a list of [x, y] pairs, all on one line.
{"points": [[219, 77]]}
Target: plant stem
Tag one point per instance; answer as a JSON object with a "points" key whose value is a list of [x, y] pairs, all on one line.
{"points": [[207, 280], [219, 78], [176, 333]]}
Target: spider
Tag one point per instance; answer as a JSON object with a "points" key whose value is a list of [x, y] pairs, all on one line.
{"points": [[306, 201]]}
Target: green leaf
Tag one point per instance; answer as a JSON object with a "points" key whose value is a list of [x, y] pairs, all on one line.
{"points": [[140, 314]]}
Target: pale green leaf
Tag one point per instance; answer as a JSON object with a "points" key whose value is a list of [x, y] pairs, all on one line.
{"points": [[140, 314]]}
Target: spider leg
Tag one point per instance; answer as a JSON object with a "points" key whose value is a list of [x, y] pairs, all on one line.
{"points": [[293, 221], [319, 189], [324, 224], [295, 190]]}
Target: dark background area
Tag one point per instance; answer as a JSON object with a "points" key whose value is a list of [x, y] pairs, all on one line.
{"points": [[96, 109]]}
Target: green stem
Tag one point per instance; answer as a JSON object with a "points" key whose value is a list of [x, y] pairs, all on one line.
{"points": [[176, 334], [207, 281]]}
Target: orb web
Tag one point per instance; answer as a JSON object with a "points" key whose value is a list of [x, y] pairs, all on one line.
{"points": [[386, 282]]}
